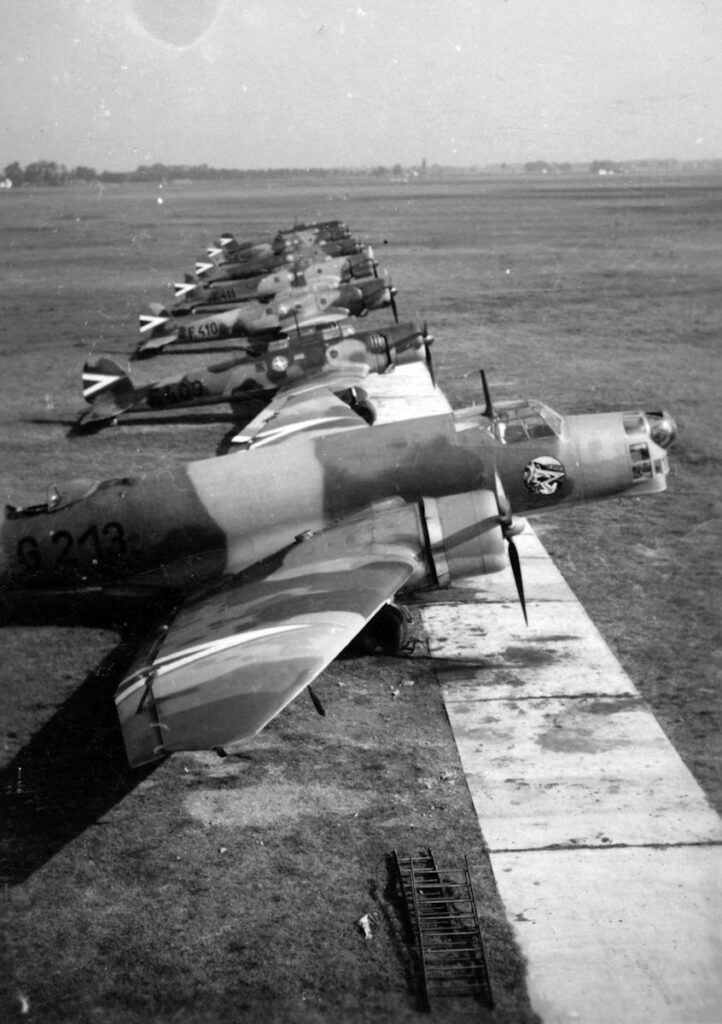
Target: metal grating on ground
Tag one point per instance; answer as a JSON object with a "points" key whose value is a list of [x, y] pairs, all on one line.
{"points": [[442, 912]]}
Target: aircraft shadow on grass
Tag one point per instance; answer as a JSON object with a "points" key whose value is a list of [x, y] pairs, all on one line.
{"points": [[74, 769], [190, 418]]}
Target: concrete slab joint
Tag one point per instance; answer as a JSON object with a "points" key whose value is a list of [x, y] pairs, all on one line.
{"points": [[606, 852]]}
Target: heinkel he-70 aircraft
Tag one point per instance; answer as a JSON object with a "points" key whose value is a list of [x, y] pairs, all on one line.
{"points": [[193, 295], [229, 246], [284, 553], [331, 269], [159, 329], [221, 268], [340, 353]]}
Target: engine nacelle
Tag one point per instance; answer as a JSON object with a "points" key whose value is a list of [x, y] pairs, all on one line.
{"points": [[464, 537], [452, 537]]}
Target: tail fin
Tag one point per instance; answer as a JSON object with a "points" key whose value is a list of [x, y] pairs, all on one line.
{"points": [[107, 387], [186, 287], [154, 323]]}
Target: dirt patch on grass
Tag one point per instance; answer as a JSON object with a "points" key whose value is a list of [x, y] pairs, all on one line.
{"points": [[272, 804]]}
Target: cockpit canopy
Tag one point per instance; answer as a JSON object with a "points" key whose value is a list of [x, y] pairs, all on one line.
{"points": [[336, 330], [524, 420]]}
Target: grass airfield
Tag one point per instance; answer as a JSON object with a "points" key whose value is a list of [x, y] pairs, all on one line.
{"points": [[211, 889]]}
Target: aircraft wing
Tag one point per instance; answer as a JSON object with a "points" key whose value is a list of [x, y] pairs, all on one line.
{"points": [[234, 656], [307, 407]]}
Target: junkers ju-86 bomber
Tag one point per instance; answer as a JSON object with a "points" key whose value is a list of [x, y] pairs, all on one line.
{"points": [[279, 556], [339, 353]]}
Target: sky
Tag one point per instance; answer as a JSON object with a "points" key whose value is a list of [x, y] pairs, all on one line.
{"points": [[113, 84]]}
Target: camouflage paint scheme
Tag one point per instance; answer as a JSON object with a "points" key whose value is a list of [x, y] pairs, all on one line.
{"points": [[193, 295], [233, 264], [301, 304], [282, 554], [256, 373]]}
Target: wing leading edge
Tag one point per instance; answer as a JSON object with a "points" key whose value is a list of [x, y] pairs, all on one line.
{"points": [[307, 408], [235, 656]]}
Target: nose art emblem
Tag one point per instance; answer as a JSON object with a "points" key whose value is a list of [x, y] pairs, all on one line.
{"points": [[544, 474]]}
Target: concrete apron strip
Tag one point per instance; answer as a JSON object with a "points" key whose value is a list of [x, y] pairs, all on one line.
{"points": [[406, 392], [604, 848]]}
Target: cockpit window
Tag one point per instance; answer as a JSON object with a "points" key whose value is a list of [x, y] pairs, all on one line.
{"points": [[525, 421], [641, 461]]}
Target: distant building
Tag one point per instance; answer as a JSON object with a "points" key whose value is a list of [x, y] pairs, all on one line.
{"points": [[606, 167]]}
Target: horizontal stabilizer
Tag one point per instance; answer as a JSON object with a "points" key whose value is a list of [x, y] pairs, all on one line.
{"points": [[152, 346], [102, 412]]}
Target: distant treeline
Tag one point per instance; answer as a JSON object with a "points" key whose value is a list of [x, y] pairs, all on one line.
{"points": [[48, 172]]}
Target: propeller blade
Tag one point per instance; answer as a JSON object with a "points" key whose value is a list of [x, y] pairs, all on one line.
{"points": [[429, 360], [394, 310], [516, 571], [427, 340], [489, 407], [430, 364], [502, 504], [316, 703]]}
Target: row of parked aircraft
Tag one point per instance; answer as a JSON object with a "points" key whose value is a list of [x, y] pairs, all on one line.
{"points": [[290, 325], [270, 560]]}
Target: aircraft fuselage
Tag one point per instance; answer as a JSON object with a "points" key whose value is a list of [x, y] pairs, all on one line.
{"points": [[178, 527]]}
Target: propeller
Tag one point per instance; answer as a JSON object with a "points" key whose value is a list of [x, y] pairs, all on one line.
{"points": [[509, 529], [392, 293], [428, 341], [506, 516]]}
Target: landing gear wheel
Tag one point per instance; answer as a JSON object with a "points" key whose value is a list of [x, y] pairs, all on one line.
{"points": [[385, 633]]}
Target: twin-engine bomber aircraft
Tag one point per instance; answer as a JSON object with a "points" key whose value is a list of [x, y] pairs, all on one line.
{"points": [[282, 554]]}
